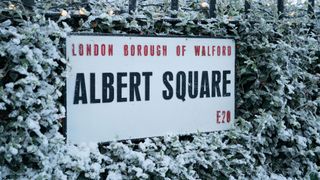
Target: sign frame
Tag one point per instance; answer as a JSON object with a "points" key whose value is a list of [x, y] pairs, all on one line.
{"points": [[64, 121]]}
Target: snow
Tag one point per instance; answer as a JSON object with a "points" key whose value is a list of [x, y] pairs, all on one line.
{"points": [[13, 151], [114, 176], [277, 129]]}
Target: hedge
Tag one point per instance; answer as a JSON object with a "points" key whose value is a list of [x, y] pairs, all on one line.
{"points": [[277, 97]]}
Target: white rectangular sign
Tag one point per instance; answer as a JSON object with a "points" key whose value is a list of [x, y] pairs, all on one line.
{"points": [[124, 87]]}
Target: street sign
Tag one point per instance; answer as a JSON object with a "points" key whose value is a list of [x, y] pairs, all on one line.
{"points": [[125, 87]]}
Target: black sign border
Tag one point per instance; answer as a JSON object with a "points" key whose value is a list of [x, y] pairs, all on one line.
{"points": [[184, 136]]}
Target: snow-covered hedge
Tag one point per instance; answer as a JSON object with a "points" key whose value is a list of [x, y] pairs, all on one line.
{"points": [[278, 99]]}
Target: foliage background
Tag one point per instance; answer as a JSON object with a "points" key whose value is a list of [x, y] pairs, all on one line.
{"points": [[278, 115]]}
